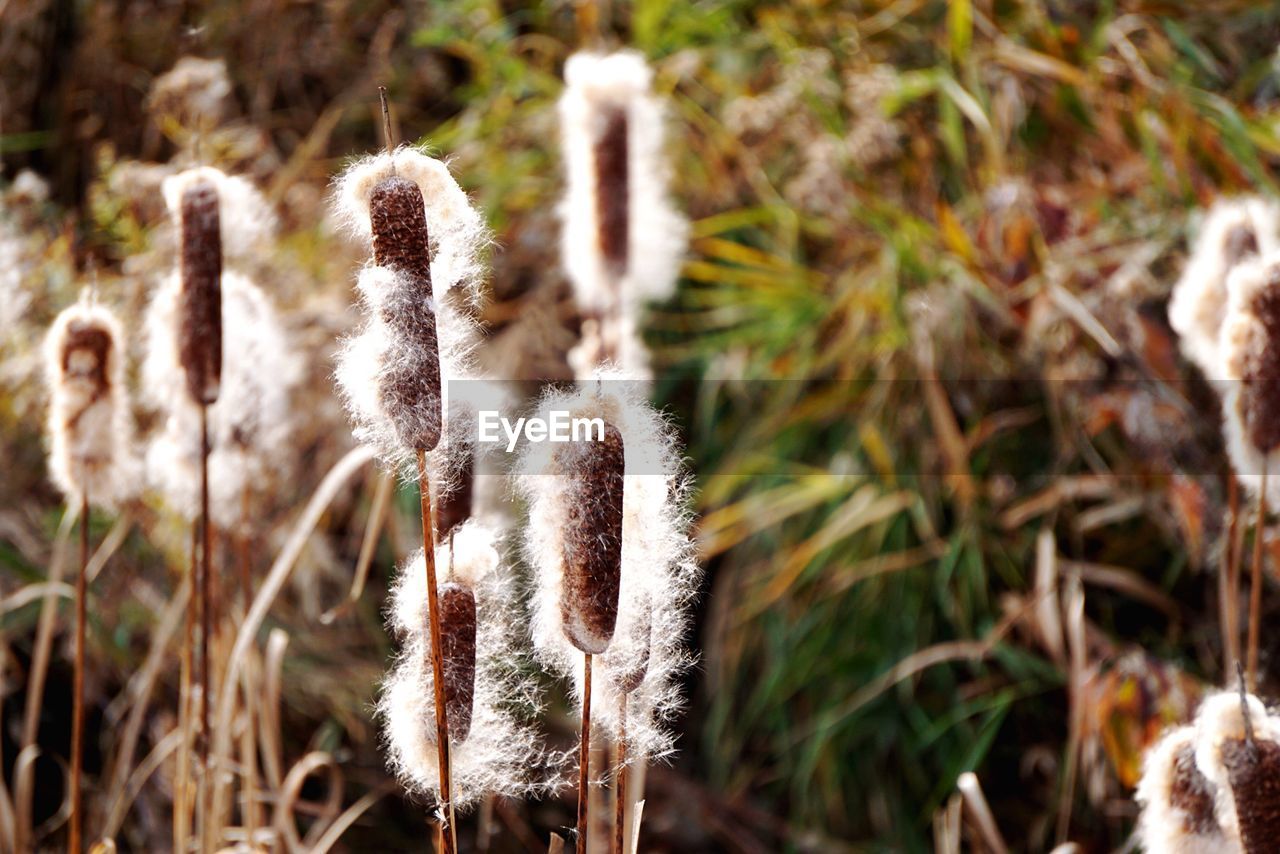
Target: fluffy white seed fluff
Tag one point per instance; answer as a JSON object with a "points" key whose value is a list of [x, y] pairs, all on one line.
{"points": [[659, 574], [90, 432], [375, 350], [248, 222], [249, 424], [1165, 826], [457, 238], [611, 343], [501, 754], [1199, 302], [596, 85], [1242, 339]]}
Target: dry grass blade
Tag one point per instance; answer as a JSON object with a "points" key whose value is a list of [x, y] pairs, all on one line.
{"points": [[139, 776], [333, 833], [39, 669], [1255, 586], [139, 689], [285, 824], [368, 546], [269, 719], [980, 811], [271, 586]]}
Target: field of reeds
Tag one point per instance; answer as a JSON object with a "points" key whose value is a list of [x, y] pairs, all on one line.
{"points": [[936, 353]]}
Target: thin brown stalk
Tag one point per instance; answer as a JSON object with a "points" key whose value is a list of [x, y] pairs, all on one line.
{"points": [[181, 814], [1231, 577], [437, 651], [1255, 588], [77, 697], [39, 670], [249, 749], [620, 794], [206, 624], [584, 757]]}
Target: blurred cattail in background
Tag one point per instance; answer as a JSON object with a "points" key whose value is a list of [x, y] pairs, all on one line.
{"points": [[492, 751], [1249, 348], [622, 241], [1233, 232], [90, 460], [644, 650]]}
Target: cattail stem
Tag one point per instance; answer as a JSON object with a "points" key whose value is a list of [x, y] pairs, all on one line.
{"points": [[249, 748], [206, 623], [437, 652], [1231, 578], [181, 816], [1255, 589], [584, 758], [77, 701], [620, 795]]}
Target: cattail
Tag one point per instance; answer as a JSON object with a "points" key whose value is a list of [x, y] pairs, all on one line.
{"points": [[658, 575], [1250, 352], [251, 423], [455, 504], [427, 244], [592, 538], [622, 240], [1239, 754], [1233, 231], [492, 751], [1178, 802], [90, 436], [90, 460]]}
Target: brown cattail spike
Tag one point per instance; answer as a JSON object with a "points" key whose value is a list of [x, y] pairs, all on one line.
{"points": [[592, 539], [84, 355], [454, 506], [200, 347], [1254, 773], [612, 191], [458, 644], [1259, 400], [410, 385]]}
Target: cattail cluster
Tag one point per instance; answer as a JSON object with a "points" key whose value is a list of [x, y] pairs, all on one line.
{"points": [[90, 433], [491, 751], [257, 369], [1233, 232], [427, 244], [1212, 786], [638, 627], [622, 241]]}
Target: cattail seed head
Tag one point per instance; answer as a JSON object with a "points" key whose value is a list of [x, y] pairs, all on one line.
{"points": [[200, 342], [454, 505], [627, 660], [90, 435], [622, 241], [427, 244], [1221, 729], [612, 184], [1250, 351], [1253, 770], [250, 425], [658, 575], [458, 645], [1233, 232], [592, 538], [493, 752]]}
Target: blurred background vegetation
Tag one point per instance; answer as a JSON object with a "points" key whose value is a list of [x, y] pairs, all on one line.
{"points": [[957, 491]]}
